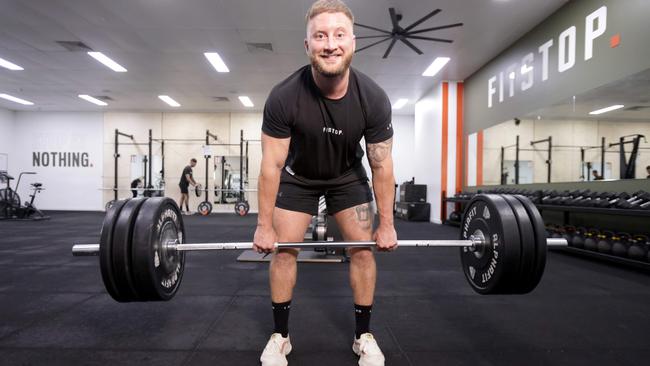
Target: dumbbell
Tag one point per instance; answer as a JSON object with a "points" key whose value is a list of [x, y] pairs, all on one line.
{"points": [[577, 197], [631, 201]]}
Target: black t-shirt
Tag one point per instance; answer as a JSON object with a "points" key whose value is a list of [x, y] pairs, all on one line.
{"points": [[187, 170], [325, 133]]}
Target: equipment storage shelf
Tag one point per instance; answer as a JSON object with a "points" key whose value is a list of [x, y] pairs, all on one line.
{"points": [[595, 210], [606, 258]]}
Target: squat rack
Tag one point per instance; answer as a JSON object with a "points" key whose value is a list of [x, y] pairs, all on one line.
{"points": [[116, 156]]}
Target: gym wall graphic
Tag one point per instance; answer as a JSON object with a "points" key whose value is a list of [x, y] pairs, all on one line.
{"points": [[61, 159], [65, 150], [584, 45]]}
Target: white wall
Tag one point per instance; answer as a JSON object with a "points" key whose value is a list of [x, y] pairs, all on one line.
{"points": [[403, 148], [428, 140], [66, 187], [6, 139]]}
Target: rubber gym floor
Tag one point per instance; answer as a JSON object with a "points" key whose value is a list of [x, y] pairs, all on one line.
{"points": [[54, 310]]}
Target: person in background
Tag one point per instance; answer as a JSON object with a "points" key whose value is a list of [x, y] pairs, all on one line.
{"points": [[596, 175], [136, 185], [186, 180]]}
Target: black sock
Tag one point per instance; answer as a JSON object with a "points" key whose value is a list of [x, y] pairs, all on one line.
{"points": [[281, 317], [362, 317], [187, 208]]}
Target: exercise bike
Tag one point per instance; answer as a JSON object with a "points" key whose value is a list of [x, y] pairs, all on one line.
{"points": [[10, 207]]}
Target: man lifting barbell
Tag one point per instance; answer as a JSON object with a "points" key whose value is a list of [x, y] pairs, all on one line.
{"points": [[312, 125]]}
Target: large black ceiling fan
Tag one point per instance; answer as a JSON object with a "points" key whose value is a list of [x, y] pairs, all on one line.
{"points": [[401, 34]]}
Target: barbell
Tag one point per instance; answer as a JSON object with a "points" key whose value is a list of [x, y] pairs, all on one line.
{"points": [[143, 243]]}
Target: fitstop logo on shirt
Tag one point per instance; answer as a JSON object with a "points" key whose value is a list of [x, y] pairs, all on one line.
{"points": [[332, 131]]}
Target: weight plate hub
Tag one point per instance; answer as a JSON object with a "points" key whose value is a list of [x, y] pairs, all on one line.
{"points": [[242, 208], [490, 268], [205, 208], [157, 269]]}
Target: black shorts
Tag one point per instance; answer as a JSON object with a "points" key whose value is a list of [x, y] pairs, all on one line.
{"points": [[184, 188], [302, 198]]}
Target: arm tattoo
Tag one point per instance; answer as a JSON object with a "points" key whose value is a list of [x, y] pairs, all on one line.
{"points": [[379, 152], [364, 215]]}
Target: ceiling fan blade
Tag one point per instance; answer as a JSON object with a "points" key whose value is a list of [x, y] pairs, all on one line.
{"points": [[422, 20], [393, 18], [373, 28], [430, 39], [437, 28], [411, 45], [364, 37], [372, 44], [390, 47]]}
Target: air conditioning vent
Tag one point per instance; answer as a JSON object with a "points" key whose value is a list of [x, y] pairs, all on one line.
{"points": [[259, 47], [74, 46], [637, 108], [220, 99]]}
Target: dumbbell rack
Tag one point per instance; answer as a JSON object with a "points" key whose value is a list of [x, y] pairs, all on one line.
{"points": [[567, 210], [606, 258]]}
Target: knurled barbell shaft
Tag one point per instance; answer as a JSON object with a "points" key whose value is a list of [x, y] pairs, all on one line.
{"points": [[93, 249]]}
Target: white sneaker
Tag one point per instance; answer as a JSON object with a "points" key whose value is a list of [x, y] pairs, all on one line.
{"points": [[276, 351], [367, 349]]}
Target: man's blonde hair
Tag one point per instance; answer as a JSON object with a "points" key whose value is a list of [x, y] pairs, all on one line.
{"points": [[328, 6]]}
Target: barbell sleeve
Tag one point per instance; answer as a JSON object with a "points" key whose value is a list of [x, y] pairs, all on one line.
{"points": [[93, 249]]}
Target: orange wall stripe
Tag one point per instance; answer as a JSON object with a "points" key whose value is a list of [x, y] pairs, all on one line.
{"points": [[479, 159], [459, 137], [445, 137]]}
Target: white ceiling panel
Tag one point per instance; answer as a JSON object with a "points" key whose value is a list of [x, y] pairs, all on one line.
{"points": [[161, 43]]}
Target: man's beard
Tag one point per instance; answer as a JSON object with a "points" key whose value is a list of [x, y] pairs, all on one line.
{"points": [[326, 70]]}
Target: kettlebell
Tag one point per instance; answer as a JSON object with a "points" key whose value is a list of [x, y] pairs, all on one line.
{"points": [[620, 244], [578, 240], [638, 249], [568, 233], [604, 244], [591, 239]]}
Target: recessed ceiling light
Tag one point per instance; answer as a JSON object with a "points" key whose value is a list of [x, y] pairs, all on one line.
{"points": [[608, 109], [90, 99], [10, 65], [216, 61], [169, 100], [400, 103], [15, 100], [107, 61], [436, 66], [246, 101], [512, 75]]}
